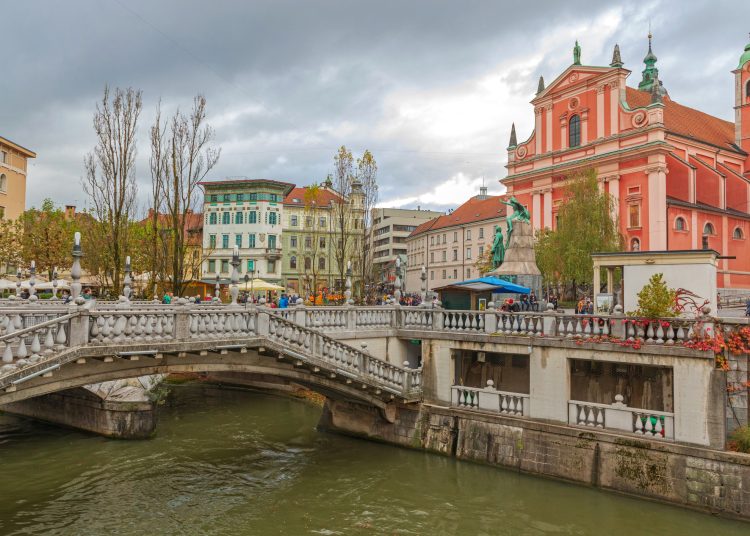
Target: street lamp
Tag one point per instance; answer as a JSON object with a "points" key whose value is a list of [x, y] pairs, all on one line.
{"points": [[246, 279]]}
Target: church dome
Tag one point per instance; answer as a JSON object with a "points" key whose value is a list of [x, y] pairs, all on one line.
{"points": [[745, 56]]}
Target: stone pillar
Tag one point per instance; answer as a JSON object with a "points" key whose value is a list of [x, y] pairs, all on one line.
{"points": [[564, 131], [549, 385], [538, 131], [536, 209], [657, 207], [614, 107], [548, 115], [548, 208], [600, 111]]}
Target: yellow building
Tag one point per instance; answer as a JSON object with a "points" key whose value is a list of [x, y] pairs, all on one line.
{"points": [[13, 167]]}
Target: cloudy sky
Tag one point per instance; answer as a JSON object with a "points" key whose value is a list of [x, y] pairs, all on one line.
{"points": [[430, 87]]}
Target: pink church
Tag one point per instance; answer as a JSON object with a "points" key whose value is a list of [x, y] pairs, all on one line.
{"points": [[680, 177]]}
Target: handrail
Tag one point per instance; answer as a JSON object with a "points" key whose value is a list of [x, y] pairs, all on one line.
{"points": [[31, 329]]}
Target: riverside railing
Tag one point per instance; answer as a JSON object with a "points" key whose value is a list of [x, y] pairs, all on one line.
{"points": [[619, 417]]}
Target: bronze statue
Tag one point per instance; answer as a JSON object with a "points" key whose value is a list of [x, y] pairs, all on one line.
{"points": [[520, 213], [498, 248]]}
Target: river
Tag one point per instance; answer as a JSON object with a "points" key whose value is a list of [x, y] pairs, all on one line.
{"points": [[228, 461]]}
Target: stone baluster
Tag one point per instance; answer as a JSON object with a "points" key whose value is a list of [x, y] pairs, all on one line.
{"points": [[126, 291], [32, 283], [234, 289], [217, 289], [348, 284], [75, 270], [423, 278], [19, 275], [397, 282], [54, 283]]}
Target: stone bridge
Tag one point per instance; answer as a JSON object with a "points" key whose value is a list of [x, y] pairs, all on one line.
{"points": [[49, 349]]}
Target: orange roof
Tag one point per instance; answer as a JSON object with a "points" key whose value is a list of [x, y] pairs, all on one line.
{"points": [[474, 210], [688, 122], [297, 196]]}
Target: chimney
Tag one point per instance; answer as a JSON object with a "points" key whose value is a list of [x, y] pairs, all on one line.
{"points": [[70, 212]]}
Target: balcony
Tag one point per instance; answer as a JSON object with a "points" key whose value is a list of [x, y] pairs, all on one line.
{"points": [[272, 254]]}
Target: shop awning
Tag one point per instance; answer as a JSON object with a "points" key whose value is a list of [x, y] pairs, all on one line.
{"points": [[488, 284]]}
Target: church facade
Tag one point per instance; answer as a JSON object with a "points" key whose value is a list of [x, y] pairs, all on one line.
{"points": [[680, 178]]}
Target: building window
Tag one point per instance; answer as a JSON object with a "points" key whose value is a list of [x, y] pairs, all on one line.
{"points": [[251, 240], [272, 218], [240, 198], [212, 266], [322, 223], [634, 216], [445, 257], [253, 197], [432, 275], [292, 241], [274, 197], [455, 236], [747, 90], [212, 218], [252, 217], [4, 156], [481, 232], [432, 256], [212, 241], [308, 263], [322, 242], [225, 218], [321, 263], [224, 266], [455, 254], [708, 229], [250, 265], [239, 217], [432, 240], [293, 220], [468, 273], [293, 262], [574, 131], [225, 241], [444, 277], [468, 234], [308, 242], [3, 183], [680, 224], [481, 250], [635, 245], [737, 234], [2, 213], [271, 265], [213, 198], [468, 253], [238, 240], [455, 273], [445, 238], [226, 198], [272, 241]]}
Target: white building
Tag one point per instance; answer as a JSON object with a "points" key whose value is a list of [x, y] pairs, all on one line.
{"points": [[249, 214]]}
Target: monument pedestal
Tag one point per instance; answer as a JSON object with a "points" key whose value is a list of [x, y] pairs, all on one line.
{"points": [[519, 265]]}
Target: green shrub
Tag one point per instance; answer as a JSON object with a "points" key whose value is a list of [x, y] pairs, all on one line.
{"points": [[656, 299], [741, 439]]}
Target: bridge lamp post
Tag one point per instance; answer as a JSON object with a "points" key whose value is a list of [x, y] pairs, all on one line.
{"points": [[75, 271], [234, 288], [246, 279]]}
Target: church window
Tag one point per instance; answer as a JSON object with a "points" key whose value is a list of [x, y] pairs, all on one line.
{"points": [[737, 234], [747, 91], [634, 215], [708, 229], [679, 224], [574, 131]]}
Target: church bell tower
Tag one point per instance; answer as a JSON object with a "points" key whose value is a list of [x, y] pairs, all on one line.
{"points": [[742, 101]]}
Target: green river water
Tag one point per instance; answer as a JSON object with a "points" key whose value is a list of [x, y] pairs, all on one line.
{"points": [[229, 461]]}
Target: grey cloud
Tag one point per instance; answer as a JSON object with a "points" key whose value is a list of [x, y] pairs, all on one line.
{"points": [[311, 76]]}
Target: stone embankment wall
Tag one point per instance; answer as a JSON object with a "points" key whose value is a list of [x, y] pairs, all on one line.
{"points": [[705, 479], [80, 408]]}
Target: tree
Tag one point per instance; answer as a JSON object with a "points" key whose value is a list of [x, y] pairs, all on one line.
{"points": [[110, 172], [314, 238], [483, 263], [11, 238], [656, 299], [367, 174], [585, 225], [47, 237], [343, 178], [181, 157]]}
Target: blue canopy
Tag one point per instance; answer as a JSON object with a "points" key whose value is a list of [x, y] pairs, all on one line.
{"points": [[491, 284]]}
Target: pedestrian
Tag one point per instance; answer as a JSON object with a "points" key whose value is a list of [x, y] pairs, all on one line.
{"points": [[283, 302], [167, 299], [747, 308], [533, 302], [87, 294]]}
